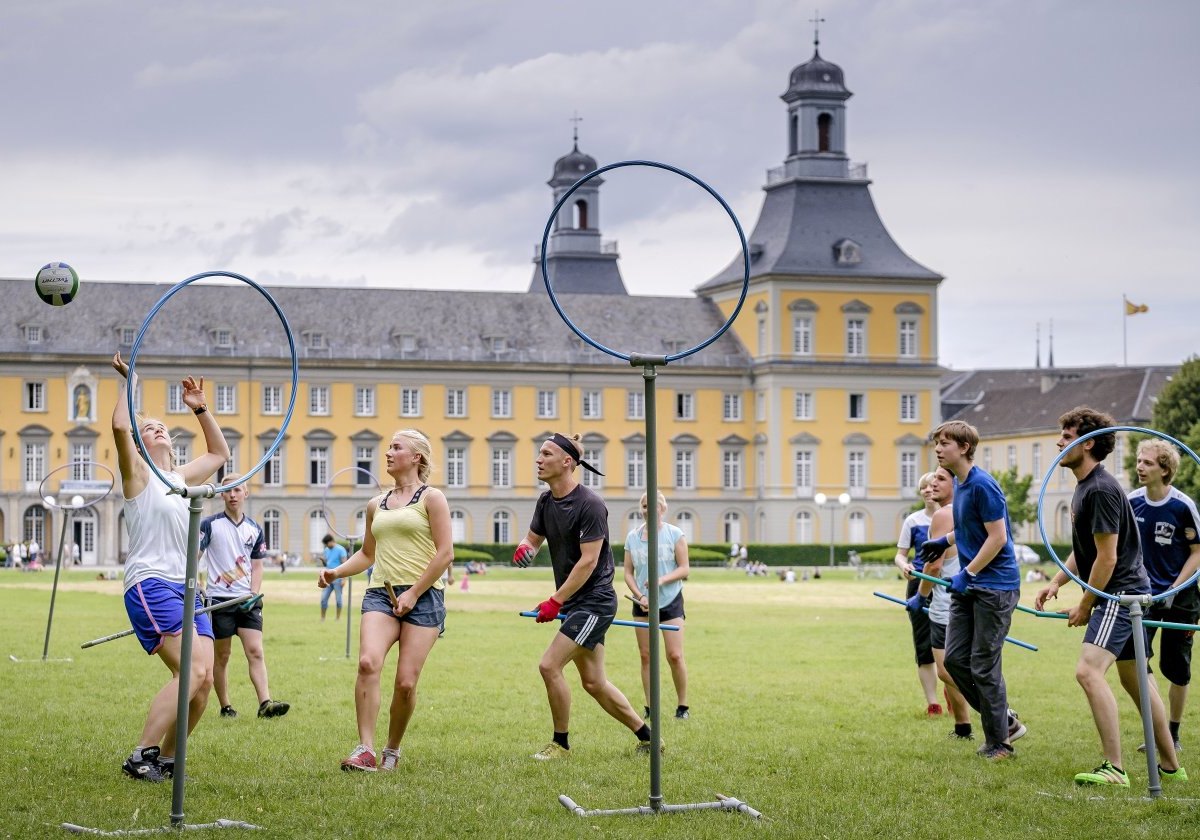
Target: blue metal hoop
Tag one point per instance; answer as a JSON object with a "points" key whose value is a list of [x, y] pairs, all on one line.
{"points": [[741, 237], [137, 343], [325, 500], [1042, 499]]}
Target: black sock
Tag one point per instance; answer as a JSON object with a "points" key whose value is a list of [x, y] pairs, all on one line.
{"points": [[1174, 726], [679, 709], [560, 738], [962, 730], [643, 734]]}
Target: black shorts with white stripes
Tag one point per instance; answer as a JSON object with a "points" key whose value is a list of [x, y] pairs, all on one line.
{"points": [[588, 621]]}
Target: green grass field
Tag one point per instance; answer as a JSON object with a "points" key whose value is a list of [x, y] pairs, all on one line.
{"points": [[804, 705]]}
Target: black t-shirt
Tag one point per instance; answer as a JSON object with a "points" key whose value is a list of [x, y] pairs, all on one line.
{"points": [[578, 517], [1100, 506]]}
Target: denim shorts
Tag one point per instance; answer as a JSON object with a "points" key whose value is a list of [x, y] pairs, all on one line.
{"points": [[429, 611]]}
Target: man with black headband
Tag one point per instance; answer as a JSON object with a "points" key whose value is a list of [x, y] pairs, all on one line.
{"points": [[574, 521]]}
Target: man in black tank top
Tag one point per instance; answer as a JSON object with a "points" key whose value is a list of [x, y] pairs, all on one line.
{"points": [[574, 521]]}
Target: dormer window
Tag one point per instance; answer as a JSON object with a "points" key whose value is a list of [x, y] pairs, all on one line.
{"points": [[316, 340], [222, 338], [495, 343], [673, 345], [34, 333], [847, 252], [404, 342], [126, 335]]}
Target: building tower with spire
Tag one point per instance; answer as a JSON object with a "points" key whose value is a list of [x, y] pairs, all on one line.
{"points": [[841, 325], [579, 261]]}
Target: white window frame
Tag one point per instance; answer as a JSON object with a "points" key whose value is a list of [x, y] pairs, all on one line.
{"points": [[591, 405], [635, 405], [909, 472], [547, 403], [35, 396], [802, 406], [502, 403], [862, 399], [364, 400], [175, 403], [908, 338], [318, 400], [272, 399], [82, 458], [502, 457], [685, 469], [364, 459], [685, 405], [225, 401], [318, 465], [635, 468], [595, 457], [410, 402], [802, 335], [456, 466], [910, 408], [272, 526], [456, 402], [272, 471], [856, 337], [856, 473], [803, 472], [501, 527], [731, 407], [732, 469], [33, 461]]}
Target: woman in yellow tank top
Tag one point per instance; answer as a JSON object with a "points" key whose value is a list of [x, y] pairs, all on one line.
{"points": [[408, 540]]}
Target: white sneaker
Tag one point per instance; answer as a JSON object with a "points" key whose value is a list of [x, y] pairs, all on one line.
{"points": [[390, 759]]}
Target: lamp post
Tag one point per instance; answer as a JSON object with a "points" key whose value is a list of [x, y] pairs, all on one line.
{"points": [[822, 500]]}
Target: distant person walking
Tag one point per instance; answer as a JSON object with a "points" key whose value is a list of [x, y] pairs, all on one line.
{"points": [[334, 556]]}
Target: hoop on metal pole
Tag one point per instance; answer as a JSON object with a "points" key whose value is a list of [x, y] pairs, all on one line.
{"points": [[351, 538], [194, 496], [648, 363], [1135, 603]]}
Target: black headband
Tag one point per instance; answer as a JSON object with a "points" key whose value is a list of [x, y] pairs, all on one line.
{"points": [[567, 445]]}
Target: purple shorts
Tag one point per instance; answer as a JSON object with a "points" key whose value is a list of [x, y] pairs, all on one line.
{"points": [[155, 609]]}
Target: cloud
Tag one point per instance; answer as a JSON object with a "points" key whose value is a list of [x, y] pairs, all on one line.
{"points": [[157, 75]]}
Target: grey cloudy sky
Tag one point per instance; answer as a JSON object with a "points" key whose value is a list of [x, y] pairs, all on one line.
{"points": [[1041, 155]]}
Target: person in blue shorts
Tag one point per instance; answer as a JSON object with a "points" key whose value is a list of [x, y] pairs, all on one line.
{"points": [[156, 566], [913, 533], [1105, 552], [985, 590], [1169, 527], [573, 520], [334, 556]]}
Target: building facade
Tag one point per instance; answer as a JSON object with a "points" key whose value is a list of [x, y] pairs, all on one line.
{"points": [[826, 386]]}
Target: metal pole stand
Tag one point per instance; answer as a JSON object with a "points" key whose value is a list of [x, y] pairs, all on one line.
{"points": [[656, 803], [1135, 603], [66, 512], [195, 495]]}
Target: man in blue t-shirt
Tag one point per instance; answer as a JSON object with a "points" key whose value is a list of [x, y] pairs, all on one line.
{"points": [[334, 556], [1170, 530], [985, 589], [1105, 552]]}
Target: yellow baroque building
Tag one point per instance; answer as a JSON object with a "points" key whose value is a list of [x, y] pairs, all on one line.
{"points": [[825, 388]]}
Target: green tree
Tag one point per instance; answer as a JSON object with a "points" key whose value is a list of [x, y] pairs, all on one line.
{"points": [[1016, 494], [1177, 412]]}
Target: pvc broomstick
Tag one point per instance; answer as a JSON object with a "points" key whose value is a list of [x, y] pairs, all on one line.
{"points": [[387, 584], [617, 621], [1008, 639], [221, 606]]}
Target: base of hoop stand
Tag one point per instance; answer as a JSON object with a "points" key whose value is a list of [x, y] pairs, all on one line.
{"points": [[723, 803], [130, 832], [34, 661]]}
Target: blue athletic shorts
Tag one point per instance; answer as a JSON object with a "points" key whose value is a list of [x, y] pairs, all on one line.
{"points": [[155, 609], [429, 611]]}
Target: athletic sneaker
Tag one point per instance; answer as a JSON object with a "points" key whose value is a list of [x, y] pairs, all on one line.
{"points": [[390, 759], [272, 708], [551, 752], [228, 711], [933, 709], [146, 769], [643, 747], [954, 736], [1105, 774], [681, 714], [1178, 748], [1179, 775], [998, 752], [1016, 729], [362, 759]]}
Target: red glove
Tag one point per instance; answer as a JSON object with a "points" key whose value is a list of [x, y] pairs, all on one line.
{"points": [[524, 555], [548, 610]]}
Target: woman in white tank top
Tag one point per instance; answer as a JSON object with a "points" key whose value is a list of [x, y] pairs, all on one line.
{"points": [[156, 564]]}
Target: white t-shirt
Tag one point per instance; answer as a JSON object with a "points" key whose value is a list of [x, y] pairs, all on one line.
{"points": [[158, 528]]}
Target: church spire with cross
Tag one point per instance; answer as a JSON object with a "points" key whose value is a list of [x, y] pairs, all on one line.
{"points": [[579, 261]]}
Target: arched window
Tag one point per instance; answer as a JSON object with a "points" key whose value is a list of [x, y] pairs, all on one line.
{"points": [[1064, 521], [272, 525], [824, 130], [857, 528], [35, 525], [733, 527], [581, 215], [686, 523], [804, 527], [458, 526], [793, 134], [501, 527]]}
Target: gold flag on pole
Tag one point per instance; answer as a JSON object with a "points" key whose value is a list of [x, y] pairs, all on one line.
{"points": [[1135, 308]]}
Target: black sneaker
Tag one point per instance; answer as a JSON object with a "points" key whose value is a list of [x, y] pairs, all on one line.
{"points": [[228, 711], [645, 713], [955, 736], [145, 769], [681, 714], [272, 708]]}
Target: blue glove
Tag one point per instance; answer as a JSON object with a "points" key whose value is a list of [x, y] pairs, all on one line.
{"points": [[961, 581], [933, 549], [916, 603]]}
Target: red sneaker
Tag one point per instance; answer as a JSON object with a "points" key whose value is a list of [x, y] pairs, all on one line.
{"points": [[933, 709], [362, 759]]}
